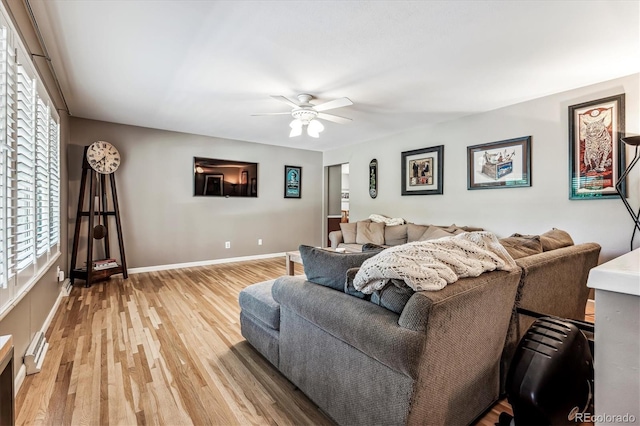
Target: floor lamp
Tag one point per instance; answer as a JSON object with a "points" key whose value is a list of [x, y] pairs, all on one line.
{"points": [[632, 141]]}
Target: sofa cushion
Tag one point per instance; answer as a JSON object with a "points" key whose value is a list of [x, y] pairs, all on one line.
{"points": [[555, 239], [393, 297], [350, 289], [414, 232], [471, 229], [370, 232], [519, 247], [395, 235], [257, 301], [434, 232], [328, 268], [373, 247], [348, 232]]}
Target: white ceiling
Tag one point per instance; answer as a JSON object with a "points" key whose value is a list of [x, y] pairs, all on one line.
{"points": [[203, 67]]}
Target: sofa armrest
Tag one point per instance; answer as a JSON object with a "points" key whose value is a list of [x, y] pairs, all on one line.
{"points": [[464, 338], [555, 282], [416, 313], [336, 238]]}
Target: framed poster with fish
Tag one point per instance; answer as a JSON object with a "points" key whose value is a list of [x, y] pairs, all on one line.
{"points": [[596, 152], [502, 164]]}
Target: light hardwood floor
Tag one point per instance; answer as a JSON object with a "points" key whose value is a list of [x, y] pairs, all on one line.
{"points": [[164, 348]]}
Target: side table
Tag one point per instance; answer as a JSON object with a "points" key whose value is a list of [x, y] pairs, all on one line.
{"points": [[292, 257]]}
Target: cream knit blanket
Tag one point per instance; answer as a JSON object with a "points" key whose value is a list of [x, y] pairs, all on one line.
{"points": [[388, 221], [431, 265]]}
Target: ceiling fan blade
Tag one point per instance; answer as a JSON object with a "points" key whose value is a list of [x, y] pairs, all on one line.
{"points": [[336, 103], [334, 118], [285, 100], [271, 113]]}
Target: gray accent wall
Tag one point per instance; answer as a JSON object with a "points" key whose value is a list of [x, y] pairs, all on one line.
{"points": [[531, 210], [164, 224]]}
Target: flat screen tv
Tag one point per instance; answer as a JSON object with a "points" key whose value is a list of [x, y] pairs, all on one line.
{"points": [[214, 177]]}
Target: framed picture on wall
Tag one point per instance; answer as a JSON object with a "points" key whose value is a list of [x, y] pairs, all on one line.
{"points": [[292, 182], [213, 184], [422, 171], [596, 151], [502, 164]]}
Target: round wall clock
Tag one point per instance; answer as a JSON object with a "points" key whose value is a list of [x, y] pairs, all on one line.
{"points": [[103, 157]]}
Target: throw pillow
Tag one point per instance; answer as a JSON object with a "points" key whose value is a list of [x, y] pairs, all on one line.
{"points": [[329, 268], [472, 228], [372, 247], [394, 296], [349, 287], [395, 235], [522, 246], [434, 232], [414, 232], [454, 229], [555, 239], [348, 232], [370, 232]]}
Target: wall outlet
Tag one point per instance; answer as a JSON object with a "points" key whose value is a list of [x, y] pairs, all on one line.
{"points": [[227, 244], [259, 241]]}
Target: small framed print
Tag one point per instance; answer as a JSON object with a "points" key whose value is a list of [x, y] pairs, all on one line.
{"points": [[502, 164], [596, 151], [292, 181], [422, 171], [214, 184]]}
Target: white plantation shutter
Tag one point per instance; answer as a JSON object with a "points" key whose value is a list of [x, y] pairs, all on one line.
{"points": [[7, 94], [54, 183], [25, 172], [42, 177], [29, 170]]}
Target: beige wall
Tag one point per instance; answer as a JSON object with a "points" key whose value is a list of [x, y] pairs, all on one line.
{"points": [[532, 210], [163, 223]]}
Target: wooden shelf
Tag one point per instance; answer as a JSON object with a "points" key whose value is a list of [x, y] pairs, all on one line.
{"points": [[96, 275]]}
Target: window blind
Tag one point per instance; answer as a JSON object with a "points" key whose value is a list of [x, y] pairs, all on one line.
{"points": [[25, 171], [42, 177], [54, 183], [29, 170], [6, 141]]}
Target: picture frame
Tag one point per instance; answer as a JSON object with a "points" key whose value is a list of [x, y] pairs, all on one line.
{"points": [[254, 187], [292, 182], [422, 171], [214, 184], [596, 150], [501, 164]]}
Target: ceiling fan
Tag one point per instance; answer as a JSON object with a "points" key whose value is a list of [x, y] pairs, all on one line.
{"points": [[306, 115]]}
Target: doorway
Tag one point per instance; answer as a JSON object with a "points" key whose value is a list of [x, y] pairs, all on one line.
{"points": [[337, 197]]}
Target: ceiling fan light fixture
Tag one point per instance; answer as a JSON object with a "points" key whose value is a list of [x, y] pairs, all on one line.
{"points": [[296, 124], [315, 127], [296, 130]]}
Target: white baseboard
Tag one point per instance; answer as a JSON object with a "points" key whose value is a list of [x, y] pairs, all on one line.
{"points": [[22, 372], [202, 263]]}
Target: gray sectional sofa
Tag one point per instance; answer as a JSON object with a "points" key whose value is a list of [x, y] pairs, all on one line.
{"points": [[439, 361]]}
